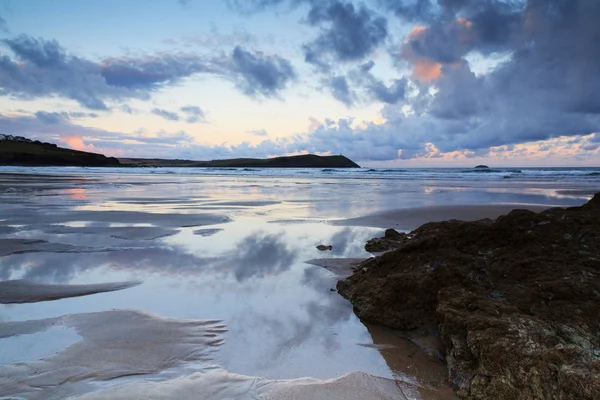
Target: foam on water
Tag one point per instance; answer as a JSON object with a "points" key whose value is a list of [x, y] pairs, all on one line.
{"points": [[584, 174]]}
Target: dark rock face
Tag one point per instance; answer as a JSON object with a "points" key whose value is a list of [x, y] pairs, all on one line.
{"points": [[301, 161], [516, 299], [24, 152], [391, 240]]}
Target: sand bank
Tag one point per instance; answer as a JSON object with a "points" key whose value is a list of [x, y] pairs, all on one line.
{"points": [[20, 246], [114, 344], [118, 232], [23, 291], [219, 384], [412, 218], [341, 267], [164, 220]]}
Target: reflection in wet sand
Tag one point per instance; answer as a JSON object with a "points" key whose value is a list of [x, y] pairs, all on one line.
{"points": [[206, 248], [23, 291], [114, 344], [407, 359]]}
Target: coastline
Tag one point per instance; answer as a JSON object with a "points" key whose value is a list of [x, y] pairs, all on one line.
{"points": [[413, 217]]}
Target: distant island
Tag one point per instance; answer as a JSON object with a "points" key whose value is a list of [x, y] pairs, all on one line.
{"points": [[21, 151]]}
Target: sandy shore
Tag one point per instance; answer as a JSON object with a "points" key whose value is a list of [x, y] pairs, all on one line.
{"points": [[341, 267], [23, 291], [412, 218]]}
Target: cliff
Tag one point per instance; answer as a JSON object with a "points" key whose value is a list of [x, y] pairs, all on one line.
{"points": [[16, 150], [20, 151], [301, 161]]}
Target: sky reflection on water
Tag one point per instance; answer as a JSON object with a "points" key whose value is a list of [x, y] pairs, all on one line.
{"points": [[222, 248]]}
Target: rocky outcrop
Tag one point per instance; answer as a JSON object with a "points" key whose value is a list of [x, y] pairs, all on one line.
{"points": [[392, 239], [15, 150], [516, 300], [301, 161]]}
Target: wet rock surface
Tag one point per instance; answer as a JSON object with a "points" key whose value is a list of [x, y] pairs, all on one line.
{"points": [[515, 299], [392, 239]]}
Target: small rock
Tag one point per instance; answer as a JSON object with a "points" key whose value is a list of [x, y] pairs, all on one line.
{"points": [[322, 247]]}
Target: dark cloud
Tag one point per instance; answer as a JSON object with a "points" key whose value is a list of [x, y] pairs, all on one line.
{"points": [[348, 33], [362, 87], [389, 94], [168, 115], [61, 117], [51, 117], [261, 75], [42, 68], [194, 114], [153, 71], [414, 10], [341, 90]]}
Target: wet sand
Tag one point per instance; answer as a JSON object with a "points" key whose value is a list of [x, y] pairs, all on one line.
{"points": [[23, 291], [284, 335], [341, 267], [412, 218]]}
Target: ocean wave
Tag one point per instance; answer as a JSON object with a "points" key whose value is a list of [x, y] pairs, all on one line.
{"points": [[386, 170], [481, 171]]}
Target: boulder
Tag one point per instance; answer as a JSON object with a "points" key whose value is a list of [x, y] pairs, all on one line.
{"points": [[516, 300], [391, 240]]}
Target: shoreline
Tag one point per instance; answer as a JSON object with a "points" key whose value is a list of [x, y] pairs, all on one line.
{"points": [[413, 217]]}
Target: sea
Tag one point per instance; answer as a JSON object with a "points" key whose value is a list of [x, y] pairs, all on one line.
{"points": [[522, 174]]}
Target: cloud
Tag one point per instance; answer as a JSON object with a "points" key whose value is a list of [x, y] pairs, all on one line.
{"points": [[168, 115], [61, 117], [42, 68], [261, 75], [194, 114], [150, 72], [59, 127], [259, 132], [341, 90], [348, 33], [359, 86]]}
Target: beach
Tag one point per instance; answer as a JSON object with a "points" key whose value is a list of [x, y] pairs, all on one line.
{"points": [[179, 284]]}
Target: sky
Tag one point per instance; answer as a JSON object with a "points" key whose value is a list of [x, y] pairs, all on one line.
{"points": [[388, 83]]}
